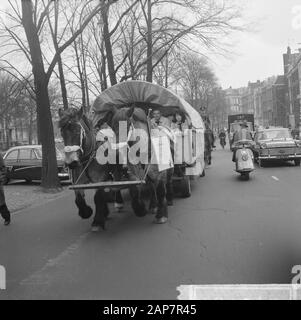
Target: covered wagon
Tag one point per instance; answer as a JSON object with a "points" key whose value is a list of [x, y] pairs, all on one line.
{"points": [[189, 155]]}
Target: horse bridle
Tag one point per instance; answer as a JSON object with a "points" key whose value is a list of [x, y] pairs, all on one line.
{"points": [[85, 161]]}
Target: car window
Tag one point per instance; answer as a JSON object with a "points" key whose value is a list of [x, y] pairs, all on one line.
{"points": [[25, 154], [33, 155], [39, 153], [59, 155], [274, 135], [13, 155]]}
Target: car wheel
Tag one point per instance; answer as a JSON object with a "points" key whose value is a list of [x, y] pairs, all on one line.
{"points": [[297, 162], [6, 180], [28, 180]]}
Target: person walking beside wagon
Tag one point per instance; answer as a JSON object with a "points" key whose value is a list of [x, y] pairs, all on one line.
{"points": [[3, 207], [209, 144]]}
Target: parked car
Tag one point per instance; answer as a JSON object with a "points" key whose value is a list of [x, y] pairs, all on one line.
{"points": [[276, 144], [59, 143], [25, 163]]}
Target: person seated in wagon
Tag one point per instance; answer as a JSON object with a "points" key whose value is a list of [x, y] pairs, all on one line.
{"points": [[179, 122], [159, 120]]}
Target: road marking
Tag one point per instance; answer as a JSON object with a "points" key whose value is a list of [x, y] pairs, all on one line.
{"points": [[275, 178]]}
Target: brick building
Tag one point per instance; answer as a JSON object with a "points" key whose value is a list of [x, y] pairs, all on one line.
{"points": [[274, 102], [292, 69], [233, 99], [248, 98]]}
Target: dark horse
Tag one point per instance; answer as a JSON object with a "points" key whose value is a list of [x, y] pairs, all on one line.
{"points": [[80, 145], [137, 119]]}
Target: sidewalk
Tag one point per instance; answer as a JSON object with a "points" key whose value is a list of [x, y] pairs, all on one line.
{"points": [[22, 195]]}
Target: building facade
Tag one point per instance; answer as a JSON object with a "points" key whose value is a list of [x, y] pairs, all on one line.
{"points": [[248, 98], [292, 68], [233, 98], [275, 101]]}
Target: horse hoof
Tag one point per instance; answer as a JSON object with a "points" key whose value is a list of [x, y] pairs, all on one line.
{"points": [[162, 220], [118, 207], [85, 213]]}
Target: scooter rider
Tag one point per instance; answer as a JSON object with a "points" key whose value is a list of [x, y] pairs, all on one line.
{"points": [[242, 134]]}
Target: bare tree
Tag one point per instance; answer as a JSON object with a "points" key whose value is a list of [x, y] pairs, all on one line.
{"points": [[32, 18], [208, 22], [196, 79]]}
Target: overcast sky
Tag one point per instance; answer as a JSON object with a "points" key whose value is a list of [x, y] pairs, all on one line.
{"points": [[258, 55]]}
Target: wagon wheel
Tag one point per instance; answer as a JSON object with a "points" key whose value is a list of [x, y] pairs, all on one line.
{"points": [[186, 187]]}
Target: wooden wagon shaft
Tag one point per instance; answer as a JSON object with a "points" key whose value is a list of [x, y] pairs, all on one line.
{"points": [[107, 185]]}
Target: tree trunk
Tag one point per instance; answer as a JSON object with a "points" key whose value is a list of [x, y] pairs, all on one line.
{"points": [[85, 80], [108, 44], [166, 71], [149, 64], [30, 127], [62, 82], [104, 84], [59, 60], [49, 164]]}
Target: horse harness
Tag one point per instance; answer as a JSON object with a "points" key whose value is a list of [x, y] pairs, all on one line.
{"points": [[86, 160]]}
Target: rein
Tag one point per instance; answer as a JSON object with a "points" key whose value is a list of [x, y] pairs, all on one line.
{"points": [[86, 159]]}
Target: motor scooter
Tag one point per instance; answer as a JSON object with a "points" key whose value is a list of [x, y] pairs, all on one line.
{"points": [[244, 158]]}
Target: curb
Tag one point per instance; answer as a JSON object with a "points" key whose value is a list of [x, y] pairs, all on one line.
{"points": [[19, 210]]}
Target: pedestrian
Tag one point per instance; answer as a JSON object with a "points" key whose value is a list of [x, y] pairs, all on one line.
{"points": [[209, 143], [3, 207]]}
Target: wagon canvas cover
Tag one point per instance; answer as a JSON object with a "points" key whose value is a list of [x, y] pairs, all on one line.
{"points": [[150, 96]]}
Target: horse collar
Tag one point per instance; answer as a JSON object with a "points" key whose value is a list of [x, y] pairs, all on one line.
{"points": [[83, 135]]}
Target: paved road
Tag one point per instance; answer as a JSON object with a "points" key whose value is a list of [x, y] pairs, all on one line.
{"points": [[228, 232], [19, 194]]}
